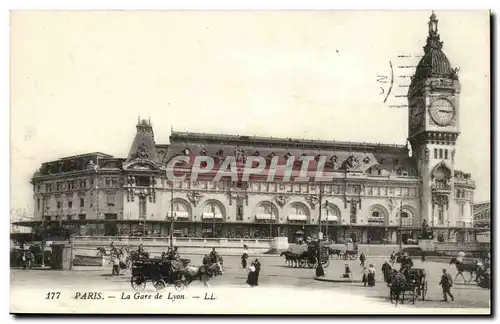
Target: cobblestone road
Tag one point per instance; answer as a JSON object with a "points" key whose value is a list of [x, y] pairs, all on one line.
{"points": [[274, 273]]}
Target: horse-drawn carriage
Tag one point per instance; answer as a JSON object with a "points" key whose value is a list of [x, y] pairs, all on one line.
{"points": [[416, 284], [161, 273], [309, 257], [349, 254], [413, 285]]}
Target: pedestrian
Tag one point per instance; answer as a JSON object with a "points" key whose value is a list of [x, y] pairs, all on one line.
{"points": [[257, 266], [362, 258], [251, 275], [320, 272], [371, 276], [365, 276], [116, 266], [423, 256], [347, 272], [244, 258], [386, 268], [446, 284]]}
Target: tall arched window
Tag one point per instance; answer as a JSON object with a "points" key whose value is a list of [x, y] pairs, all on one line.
{"points": [[440, 153], [446, 154]]}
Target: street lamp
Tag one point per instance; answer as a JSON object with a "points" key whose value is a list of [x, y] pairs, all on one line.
{"points": [[172, 215], [320, 206], [401, 226]]}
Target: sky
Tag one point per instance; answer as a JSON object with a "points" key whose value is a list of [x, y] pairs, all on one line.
{"points": [[80, 80]]}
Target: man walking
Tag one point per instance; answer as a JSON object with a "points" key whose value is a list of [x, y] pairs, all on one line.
{"points": [[446, 283], [362, 259]]}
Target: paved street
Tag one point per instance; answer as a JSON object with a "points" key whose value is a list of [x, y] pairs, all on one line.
{"points": [[274, 274]]}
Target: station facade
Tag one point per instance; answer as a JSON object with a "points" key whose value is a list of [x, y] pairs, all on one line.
{"points": [[376, 191]]}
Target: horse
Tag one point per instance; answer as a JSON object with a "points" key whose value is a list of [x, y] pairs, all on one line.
{"points": [[291, 258], [332, 252], [397, 286], [471, 268], [135, 255], [204, 273], [386, 271]]}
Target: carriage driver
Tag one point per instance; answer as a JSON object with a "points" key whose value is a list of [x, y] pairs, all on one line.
{"points": [[140, 249], [406, 264], [213, 256], [174, 253]]}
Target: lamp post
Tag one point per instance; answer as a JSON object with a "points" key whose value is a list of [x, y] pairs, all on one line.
{"points": [[172, 215], [401, 226], [327, 220], [320, 208]]}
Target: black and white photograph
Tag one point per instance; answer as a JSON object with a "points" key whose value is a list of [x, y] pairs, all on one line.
{"points": [[250, 162]]}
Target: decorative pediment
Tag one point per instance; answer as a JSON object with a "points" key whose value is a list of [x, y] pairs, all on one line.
{"points": [[312, 200], [352, 162], [281, 200], [194, 197], [141, 165], [240, 155]]}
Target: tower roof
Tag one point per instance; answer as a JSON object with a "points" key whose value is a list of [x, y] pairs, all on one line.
{"points": [[434, 63], [143, 146]]}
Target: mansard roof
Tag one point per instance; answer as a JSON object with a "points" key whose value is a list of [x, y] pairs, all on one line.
{"points": [[355, 156]]}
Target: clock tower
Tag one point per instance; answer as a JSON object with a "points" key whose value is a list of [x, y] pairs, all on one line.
{"points": [[433, 128]]}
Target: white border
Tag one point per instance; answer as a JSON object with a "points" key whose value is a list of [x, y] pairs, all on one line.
{"points": [[189, 5]]}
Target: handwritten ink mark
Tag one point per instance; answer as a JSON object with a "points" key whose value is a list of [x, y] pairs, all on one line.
{"points": [[392, 82]]}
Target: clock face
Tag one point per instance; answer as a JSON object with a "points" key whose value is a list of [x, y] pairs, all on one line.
{"points": [[416, 113], [442, 111]]}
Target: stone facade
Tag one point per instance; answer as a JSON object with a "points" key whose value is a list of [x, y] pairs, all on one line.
{"points": [[373, 184]]}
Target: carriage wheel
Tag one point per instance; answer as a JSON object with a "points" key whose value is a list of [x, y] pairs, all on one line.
{"points": [[179, 285], [325, 263], [310, 265], [138, 282], [160, 285], [353, 256], [345, 257], [424, 290]]}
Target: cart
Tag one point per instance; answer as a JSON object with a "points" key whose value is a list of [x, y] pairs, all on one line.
{"points": [[416, 284], [158, 272]]}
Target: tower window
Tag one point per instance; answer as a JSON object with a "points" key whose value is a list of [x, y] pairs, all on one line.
{"points": [[435, 153], [440, 153], [446, 154]]}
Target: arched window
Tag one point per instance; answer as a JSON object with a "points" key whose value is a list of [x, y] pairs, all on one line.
{"points": [[435, 153], [440, 153], [378, 215], [446, 154]]}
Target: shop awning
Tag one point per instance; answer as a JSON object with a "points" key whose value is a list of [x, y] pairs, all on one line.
{"points": [[265, 217], [181, 214], [207, 215], [374, 220], [329, 218], [297, 217]]}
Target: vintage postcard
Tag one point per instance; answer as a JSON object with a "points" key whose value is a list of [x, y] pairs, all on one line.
{"points": [[250, 162]]}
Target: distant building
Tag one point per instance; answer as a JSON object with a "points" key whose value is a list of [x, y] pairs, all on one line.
{"points": [[377, 189], [482, 215]]}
